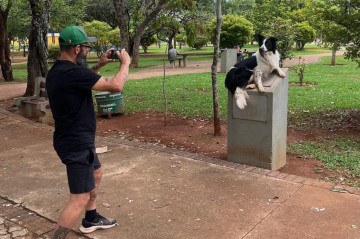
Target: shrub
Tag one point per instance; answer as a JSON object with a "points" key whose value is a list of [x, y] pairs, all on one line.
{"points": [[53, 52]]}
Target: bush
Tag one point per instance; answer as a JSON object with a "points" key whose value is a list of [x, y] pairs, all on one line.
{"points": [[304, 33], [235, 31], [53, 52]]}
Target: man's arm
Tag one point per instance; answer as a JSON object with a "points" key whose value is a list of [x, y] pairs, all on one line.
{"points": [[117, 82], [104, 59]]}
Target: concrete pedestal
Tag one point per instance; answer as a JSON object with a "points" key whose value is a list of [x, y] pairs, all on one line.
{"points": [[228, 59], [257, 134]]}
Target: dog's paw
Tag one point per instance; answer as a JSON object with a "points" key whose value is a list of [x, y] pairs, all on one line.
{"points": [[241, 104], [261, 89], [251, 86], [281, 73]]}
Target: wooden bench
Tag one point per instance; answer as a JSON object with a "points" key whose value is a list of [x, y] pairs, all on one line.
{"points": [[186, 54], [36, 106]]}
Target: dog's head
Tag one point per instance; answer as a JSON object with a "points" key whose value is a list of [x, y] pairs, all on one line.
{"points": [[266, 44]]}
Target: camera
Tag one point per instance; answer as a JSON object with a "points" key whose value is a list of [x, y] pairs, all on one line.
{"points": [[113, 53]]}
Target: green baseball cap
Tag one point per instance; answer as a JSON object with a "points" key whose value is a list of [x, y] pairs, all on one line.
{"points": [[74, 35]]}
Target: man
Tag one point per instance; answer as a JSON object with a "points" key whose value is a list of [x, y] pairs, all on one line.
{"points": [[172, 55], [69, 84]]}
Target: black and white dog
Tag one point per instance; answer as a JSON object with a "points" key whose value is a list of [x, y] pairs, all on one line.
{"points": [[253, 69]]}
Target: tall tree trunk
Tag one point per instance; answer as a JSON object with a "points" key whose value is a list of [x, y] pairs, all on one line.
{"points": [[333, 54], [122, 19], [5, 59], [38, 50], [135, 50], [217, 126]]}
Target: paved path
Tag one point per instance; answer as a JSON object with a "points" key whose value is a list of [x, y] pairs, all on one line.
{"points": [[162, 193]]}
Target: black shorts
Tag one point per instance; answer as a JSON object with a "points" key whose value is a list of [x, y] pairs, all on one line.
{"points": [[80, 166]]}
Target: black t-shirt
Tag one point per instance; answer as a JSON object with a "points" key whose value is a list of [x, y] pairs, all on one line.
{"points": [[69, 90]]}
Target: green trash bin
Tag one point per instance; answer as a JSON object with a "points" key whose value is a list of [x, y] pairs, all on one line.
{"points": [[110, 103]]}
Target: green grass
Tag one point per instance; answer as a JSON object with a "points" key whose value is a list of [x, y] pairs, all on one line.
{"points": [[333, 87], [189, 96], [20, 72], [336, 88], [339, 153]]}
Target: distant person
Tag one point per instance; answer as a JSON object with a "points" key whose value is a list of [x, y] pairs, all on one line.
{"points": [[69, 85], [239, 54], [172, 55]]}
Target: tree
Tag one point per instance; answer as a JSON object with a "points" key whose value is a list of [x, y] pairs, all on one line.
{"points": [[217, 126], [238, 7], [197, 36], [283, 31], [166, 27], [143, 13], [37, 59], [304, 33], [5, 60], [19, 23], [265, 12], [235, 31], [100, 10], [133, 20], [104, 33], [333, 31], [64, 13], [347, 16]]}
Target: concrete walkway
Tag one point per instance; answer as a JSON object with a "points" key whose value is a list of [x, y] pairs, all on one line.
{"points": [[161, 193]]}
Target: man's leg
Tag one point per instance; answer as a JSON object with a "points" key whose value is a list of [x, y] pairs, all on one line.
{"points": [[93, 220], [91, 205], [70, 214], [80, 174]]}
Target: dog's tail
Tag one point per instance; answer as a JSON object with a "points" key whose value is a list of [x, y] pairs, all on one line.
{"points": [[240, 98]]}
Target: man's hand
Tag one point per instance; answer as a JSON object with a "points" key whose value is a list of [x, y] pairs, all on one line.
{"points": [[123, 57], [104, 59]]}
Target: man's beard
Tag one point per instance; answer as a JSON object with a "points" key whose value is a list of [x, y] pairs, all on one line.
{"points": [[81, 59]]}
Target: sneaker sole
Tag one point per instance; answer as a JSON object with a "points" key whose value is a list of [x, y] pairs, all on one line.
{"points": [[94, 228]]}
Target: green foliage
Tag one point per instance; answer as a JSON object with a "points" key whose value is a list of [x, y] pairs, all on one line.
{"points": [[238, 7], [353, 53], [200, 42], [19, 20], [114, 37], [235, 30], [65, 12], [105, 35], [196, 35], [148, 41], [265, 12], [100, 10], [300, 70], [339, 24], [53, 52], [304, 33], [284, 33]]}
